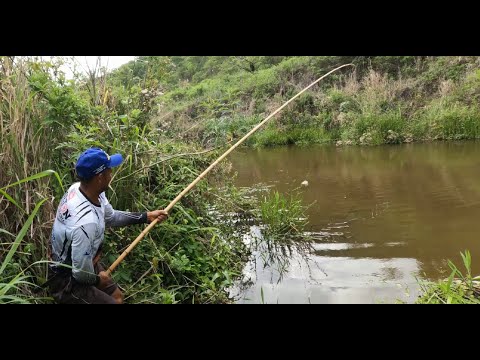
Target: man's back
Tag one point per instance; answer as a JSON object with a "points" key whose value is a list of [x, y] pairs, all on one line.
{"points": [[78, 229]]}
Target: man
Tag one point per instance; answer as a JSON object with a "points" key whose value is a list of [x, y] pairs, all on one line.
{"points": [[78, 233]]}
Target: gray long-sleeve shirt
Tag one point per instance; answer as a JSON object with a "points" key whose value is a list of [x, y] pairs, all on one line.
{"points": [[78, 231]]}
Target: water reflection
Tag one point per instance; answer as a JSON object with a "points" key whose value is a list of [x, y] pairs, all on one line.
{"points": [[317, 271]]}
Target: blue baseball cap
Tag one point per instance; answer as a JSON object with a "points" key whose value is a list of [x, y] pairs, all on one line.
{"points": [[94, 160]]}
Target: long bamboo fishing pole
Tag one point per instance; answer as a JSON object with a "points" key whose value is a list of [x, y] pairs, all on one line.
{"points": [[194, 182]]}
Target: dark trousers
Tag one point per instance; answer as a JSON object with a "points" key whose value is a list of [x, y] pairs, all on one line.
{"points": [[66, 290]]}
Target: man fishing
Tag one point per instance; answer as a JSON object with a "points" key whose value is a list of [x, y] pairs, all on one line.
{"points": [[78, 233]]}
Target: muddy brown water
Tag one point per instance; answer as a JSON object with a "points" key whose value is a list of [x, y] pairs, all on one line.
{"points": [[381, 218]]}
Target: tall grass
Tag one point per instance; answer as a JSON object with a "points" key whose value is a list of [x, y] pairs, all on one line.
{"points": [[283, 216], [15, 281], [27, 140], [459, 288]]}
